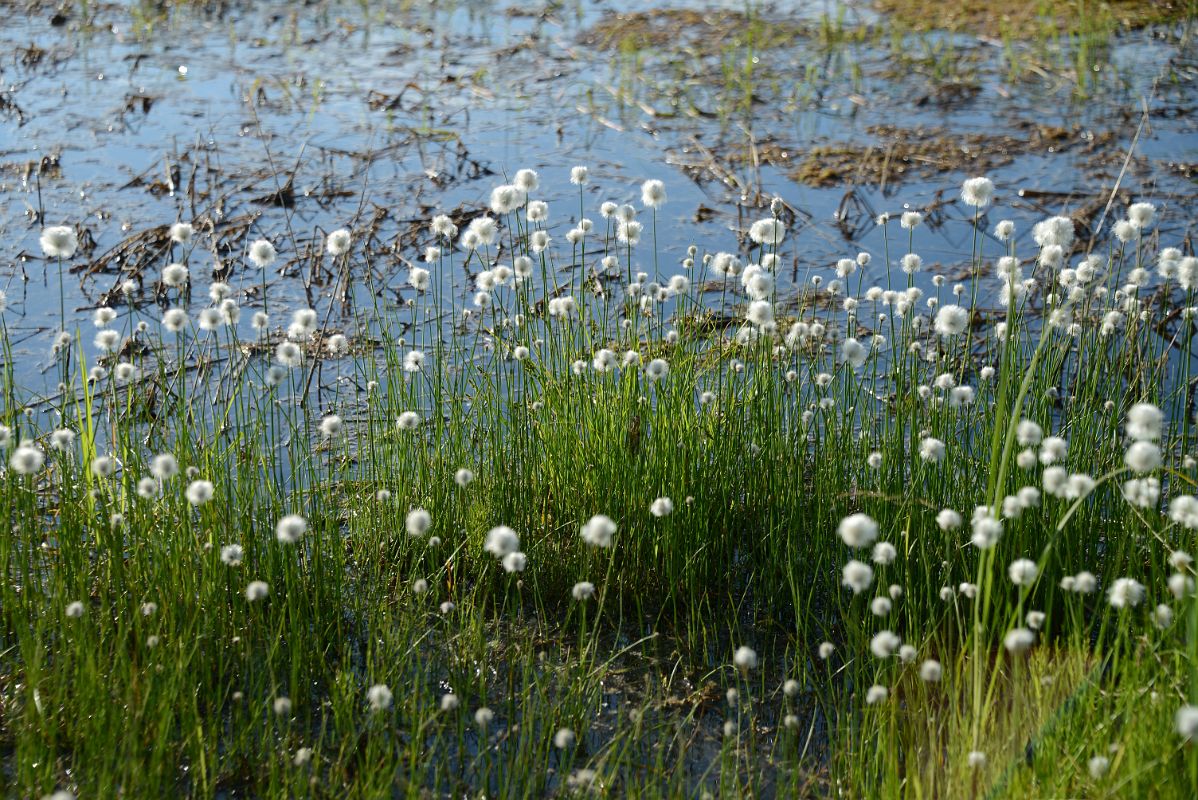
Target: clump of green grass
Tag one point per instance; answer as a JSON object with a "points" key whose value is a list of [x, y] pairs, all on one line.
{"points": [[600, 522]]}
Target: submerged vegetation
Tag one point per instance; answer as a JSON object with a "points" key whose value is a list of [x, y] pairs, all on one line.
{"points": [[899, 154]]}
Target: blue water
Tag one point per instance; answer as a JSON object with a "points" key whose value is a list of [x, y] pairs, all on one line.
{"points": [[394, 111]]}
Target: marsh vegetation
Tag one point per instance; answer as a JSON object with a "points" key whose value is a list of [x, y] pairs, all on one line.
{"points": [[460, 399]]}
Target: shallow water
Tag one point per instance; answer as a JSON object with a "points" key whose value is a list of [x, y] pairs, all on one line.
{"points": [[380, 114]]}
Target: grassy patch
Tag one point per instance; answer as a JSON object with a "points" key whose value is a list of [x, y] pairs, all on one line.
{"points": [[1035, 18], [674, 28]]}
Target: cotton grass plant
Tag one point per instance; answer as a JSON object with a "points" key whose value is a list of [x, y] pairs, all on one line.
{"points": [[863, 537]]}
